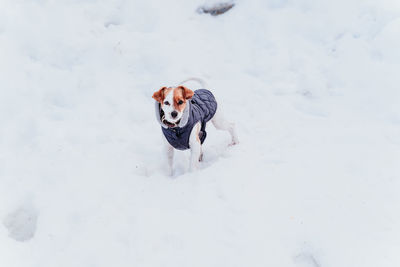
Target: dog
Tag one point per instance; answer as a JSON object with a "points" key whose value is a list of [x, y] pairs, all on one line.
{"points": [[183, 115]]}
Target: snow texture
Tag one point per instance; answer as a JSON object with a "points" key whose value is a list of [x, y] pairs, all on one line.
{"points": [[313, 87]]}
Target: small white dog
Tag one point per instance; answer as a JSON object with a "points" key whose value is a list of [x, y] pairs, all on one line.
{"points": [[183, 115]]}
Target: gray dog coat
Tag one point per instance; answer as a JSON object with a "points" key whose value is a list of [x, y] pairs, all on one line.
{"points": [[200, 108]]}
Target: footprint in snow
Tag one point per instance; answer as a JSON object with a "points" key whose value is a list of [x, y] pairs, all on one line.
{"points": [[21, 223]]}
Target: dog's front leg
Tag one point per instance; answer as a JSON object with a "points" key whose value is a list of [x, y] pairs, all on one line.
{"points": [[169, 151], [195, 147]]}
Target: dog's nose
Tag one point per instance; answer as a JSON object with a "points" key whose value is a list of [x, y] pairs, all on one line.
{"points": [[174, 114]]}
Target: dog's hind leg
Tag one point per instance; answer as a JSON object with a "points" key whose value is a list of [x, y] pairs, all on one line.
{"points": [[222, 124]]}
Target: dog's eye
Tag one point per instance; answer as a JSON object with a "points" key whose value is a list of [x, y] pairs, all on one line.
{"points": [[166, 103], [180, 102]]}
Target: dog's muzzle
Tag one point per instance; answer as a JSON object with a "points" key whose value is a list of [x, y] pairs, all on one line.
{"points": [[168, 123]]}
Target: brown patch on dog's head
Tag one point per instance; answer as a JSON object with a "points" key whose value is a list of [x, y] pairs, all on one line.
{"points": [[181, 94], [159, 96], [187, 93]]}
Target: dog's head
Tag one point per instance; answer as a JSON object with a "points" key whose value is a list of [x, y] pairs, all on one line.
{"points": [[173, 103]]}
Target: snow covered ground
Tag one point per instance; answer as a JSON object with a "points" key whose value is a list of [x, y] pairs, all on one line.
{"points": [[313, 87]]}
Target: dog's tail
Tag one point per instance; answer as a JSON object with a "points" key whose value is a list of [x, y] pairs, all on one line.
{"points": [[200, 81]]}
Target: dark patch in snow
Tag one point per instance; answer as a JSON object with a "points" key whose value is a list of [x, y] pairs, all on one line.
{"points": [[110, 23], [306, 260], [21, 224], [217, 9]]}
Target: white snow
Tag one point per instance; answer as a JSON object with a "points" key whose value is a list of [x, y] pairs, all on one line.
{"points": [[313, 87]]}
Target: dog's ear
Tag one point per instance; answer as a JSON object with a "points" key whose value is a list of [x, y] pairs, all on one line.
{"points": [[159, 95], [187, 93]]}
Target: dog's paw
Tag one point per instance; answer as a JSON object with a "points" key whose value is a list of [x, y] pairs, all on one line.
{"points": [[233, 143]]}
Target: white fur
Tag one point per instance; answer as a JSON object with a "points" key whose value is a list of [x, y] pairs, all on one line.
{"points": [[169, 152], [168, 109], [195, 147], [222, 124]]}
